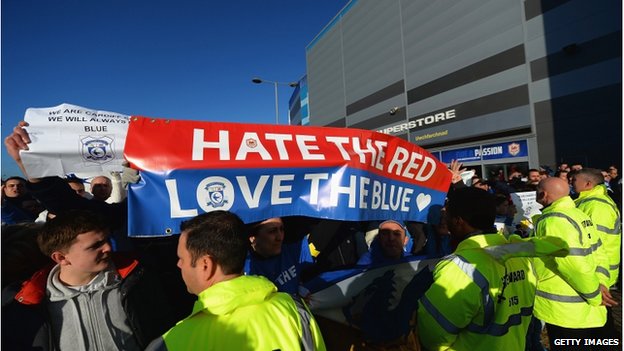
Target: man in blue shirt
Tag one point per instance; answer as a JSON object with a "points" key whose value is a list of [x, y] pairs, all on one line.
{"points": [[390, 244], [271, 257]]}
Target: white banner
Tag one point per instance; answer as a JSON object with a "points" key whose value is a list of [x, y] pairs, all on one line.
{"points": [[526, 206], [73, 139]]}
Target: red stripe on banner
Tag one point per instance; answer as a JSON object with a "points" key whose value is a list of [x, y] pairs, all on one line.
{"points": [[160, 145]]}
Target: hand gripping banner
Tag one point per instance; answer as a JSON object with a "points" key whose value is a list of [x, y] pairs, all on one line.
{"points": [[263, 171]]}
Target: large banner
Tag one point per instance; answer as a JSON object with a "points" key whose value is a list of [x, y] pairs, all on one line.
{"points": [[262, 171], [74, 139]]}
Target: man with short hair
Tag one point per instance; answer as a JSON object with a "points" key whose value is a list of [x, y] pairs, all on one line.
{"points": [[474, 298], [570, 298], [269, 256], [563, 174], [101, 188], [92, 299], [594, 201], [14, 187], [233, 311], [389, 244], [534, 176], [18, 205]]}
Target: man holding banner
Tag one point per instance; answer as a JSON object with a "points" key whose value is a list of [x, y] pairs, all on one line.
{"points": [[270, 257]]}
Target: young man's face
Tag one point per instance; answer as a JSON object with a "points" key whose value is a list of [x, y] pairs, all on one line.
{"points": [[189, 270], [269, 237], [90, 253], [392, 239], [14, 188]]}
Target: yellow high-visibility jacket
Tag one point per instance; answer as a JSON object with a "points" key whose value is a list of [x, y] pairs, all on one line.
{"points": [[605, 215], [568, 289], [245, 313], [477, 302]]}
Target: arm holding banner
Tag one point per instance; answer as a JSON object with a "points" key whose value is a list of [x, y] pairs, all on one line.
{"points": [[17, 141], [53, 192]]}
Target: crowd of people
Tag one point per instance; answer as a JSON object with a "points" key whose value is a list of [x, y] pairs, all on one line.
{"points": [[73, 280]]}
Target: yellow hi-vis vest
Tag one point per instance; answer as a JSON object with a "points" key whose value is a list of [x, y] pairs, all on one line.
{"points": [[605, 215], [477, 303], [245, 313], [568, 289]]}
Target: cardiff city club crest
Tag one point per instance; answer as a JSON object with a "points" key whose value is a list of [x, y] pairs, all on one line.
{"points": [[216, 194], [97, 149], [251, 143], [514, 149]]}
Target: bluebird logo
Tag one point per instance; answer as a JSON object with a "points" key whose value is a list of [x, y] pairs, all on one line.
{"points": [[215, 193], [98, 150]]}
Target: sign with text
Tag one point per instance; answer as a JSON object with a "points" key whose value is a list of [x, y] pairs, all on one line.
{"points": [[73, 139], [505, 150], [462, 155], [264, 171], [526, 206]]}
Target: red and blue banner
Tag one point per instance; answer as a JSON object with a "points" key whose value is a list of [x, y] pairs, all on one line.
{"points": [[263, 171]]}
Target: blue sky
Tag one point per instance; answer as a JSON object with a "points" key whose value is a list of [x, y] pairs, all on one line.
{"points": [[184, 59]]}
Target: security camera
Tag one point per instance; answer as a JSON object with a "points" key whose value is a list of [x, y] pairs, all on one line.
{"points": [[393, 111]]}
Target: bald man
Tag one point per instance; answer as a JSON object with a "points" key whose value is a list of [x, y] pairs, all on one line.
{"points": [[101, 188], [569, 298]]}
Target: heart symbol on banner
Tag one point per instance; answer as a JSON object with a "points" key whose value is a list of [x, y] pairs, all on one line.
{"points": [[423, 201]]}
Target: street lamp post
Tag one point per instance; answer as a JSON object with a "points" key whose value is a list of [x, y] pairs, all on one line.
{"points": [[257, 80]]}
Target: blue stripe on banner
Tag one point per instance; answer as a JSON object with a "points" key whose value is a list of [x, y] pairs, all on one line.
{"points": [[160, 202]]}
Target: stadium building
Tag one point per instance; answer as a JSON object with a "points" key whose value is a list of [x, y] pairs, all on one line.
{"points": [[497, 84]]}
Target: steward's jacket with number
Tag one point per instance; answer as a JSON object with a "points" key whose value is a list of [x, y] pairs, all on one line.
{"points": [[598, 205], [244, 313], [475, 302], [568, 288]]}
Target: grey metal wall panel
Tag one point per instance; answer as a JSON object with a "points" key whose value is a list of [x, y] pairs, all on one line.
{"points": [[372, 47], [325, 79], [448, 35], [590, 77], [504, 80], [377, 110]]}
